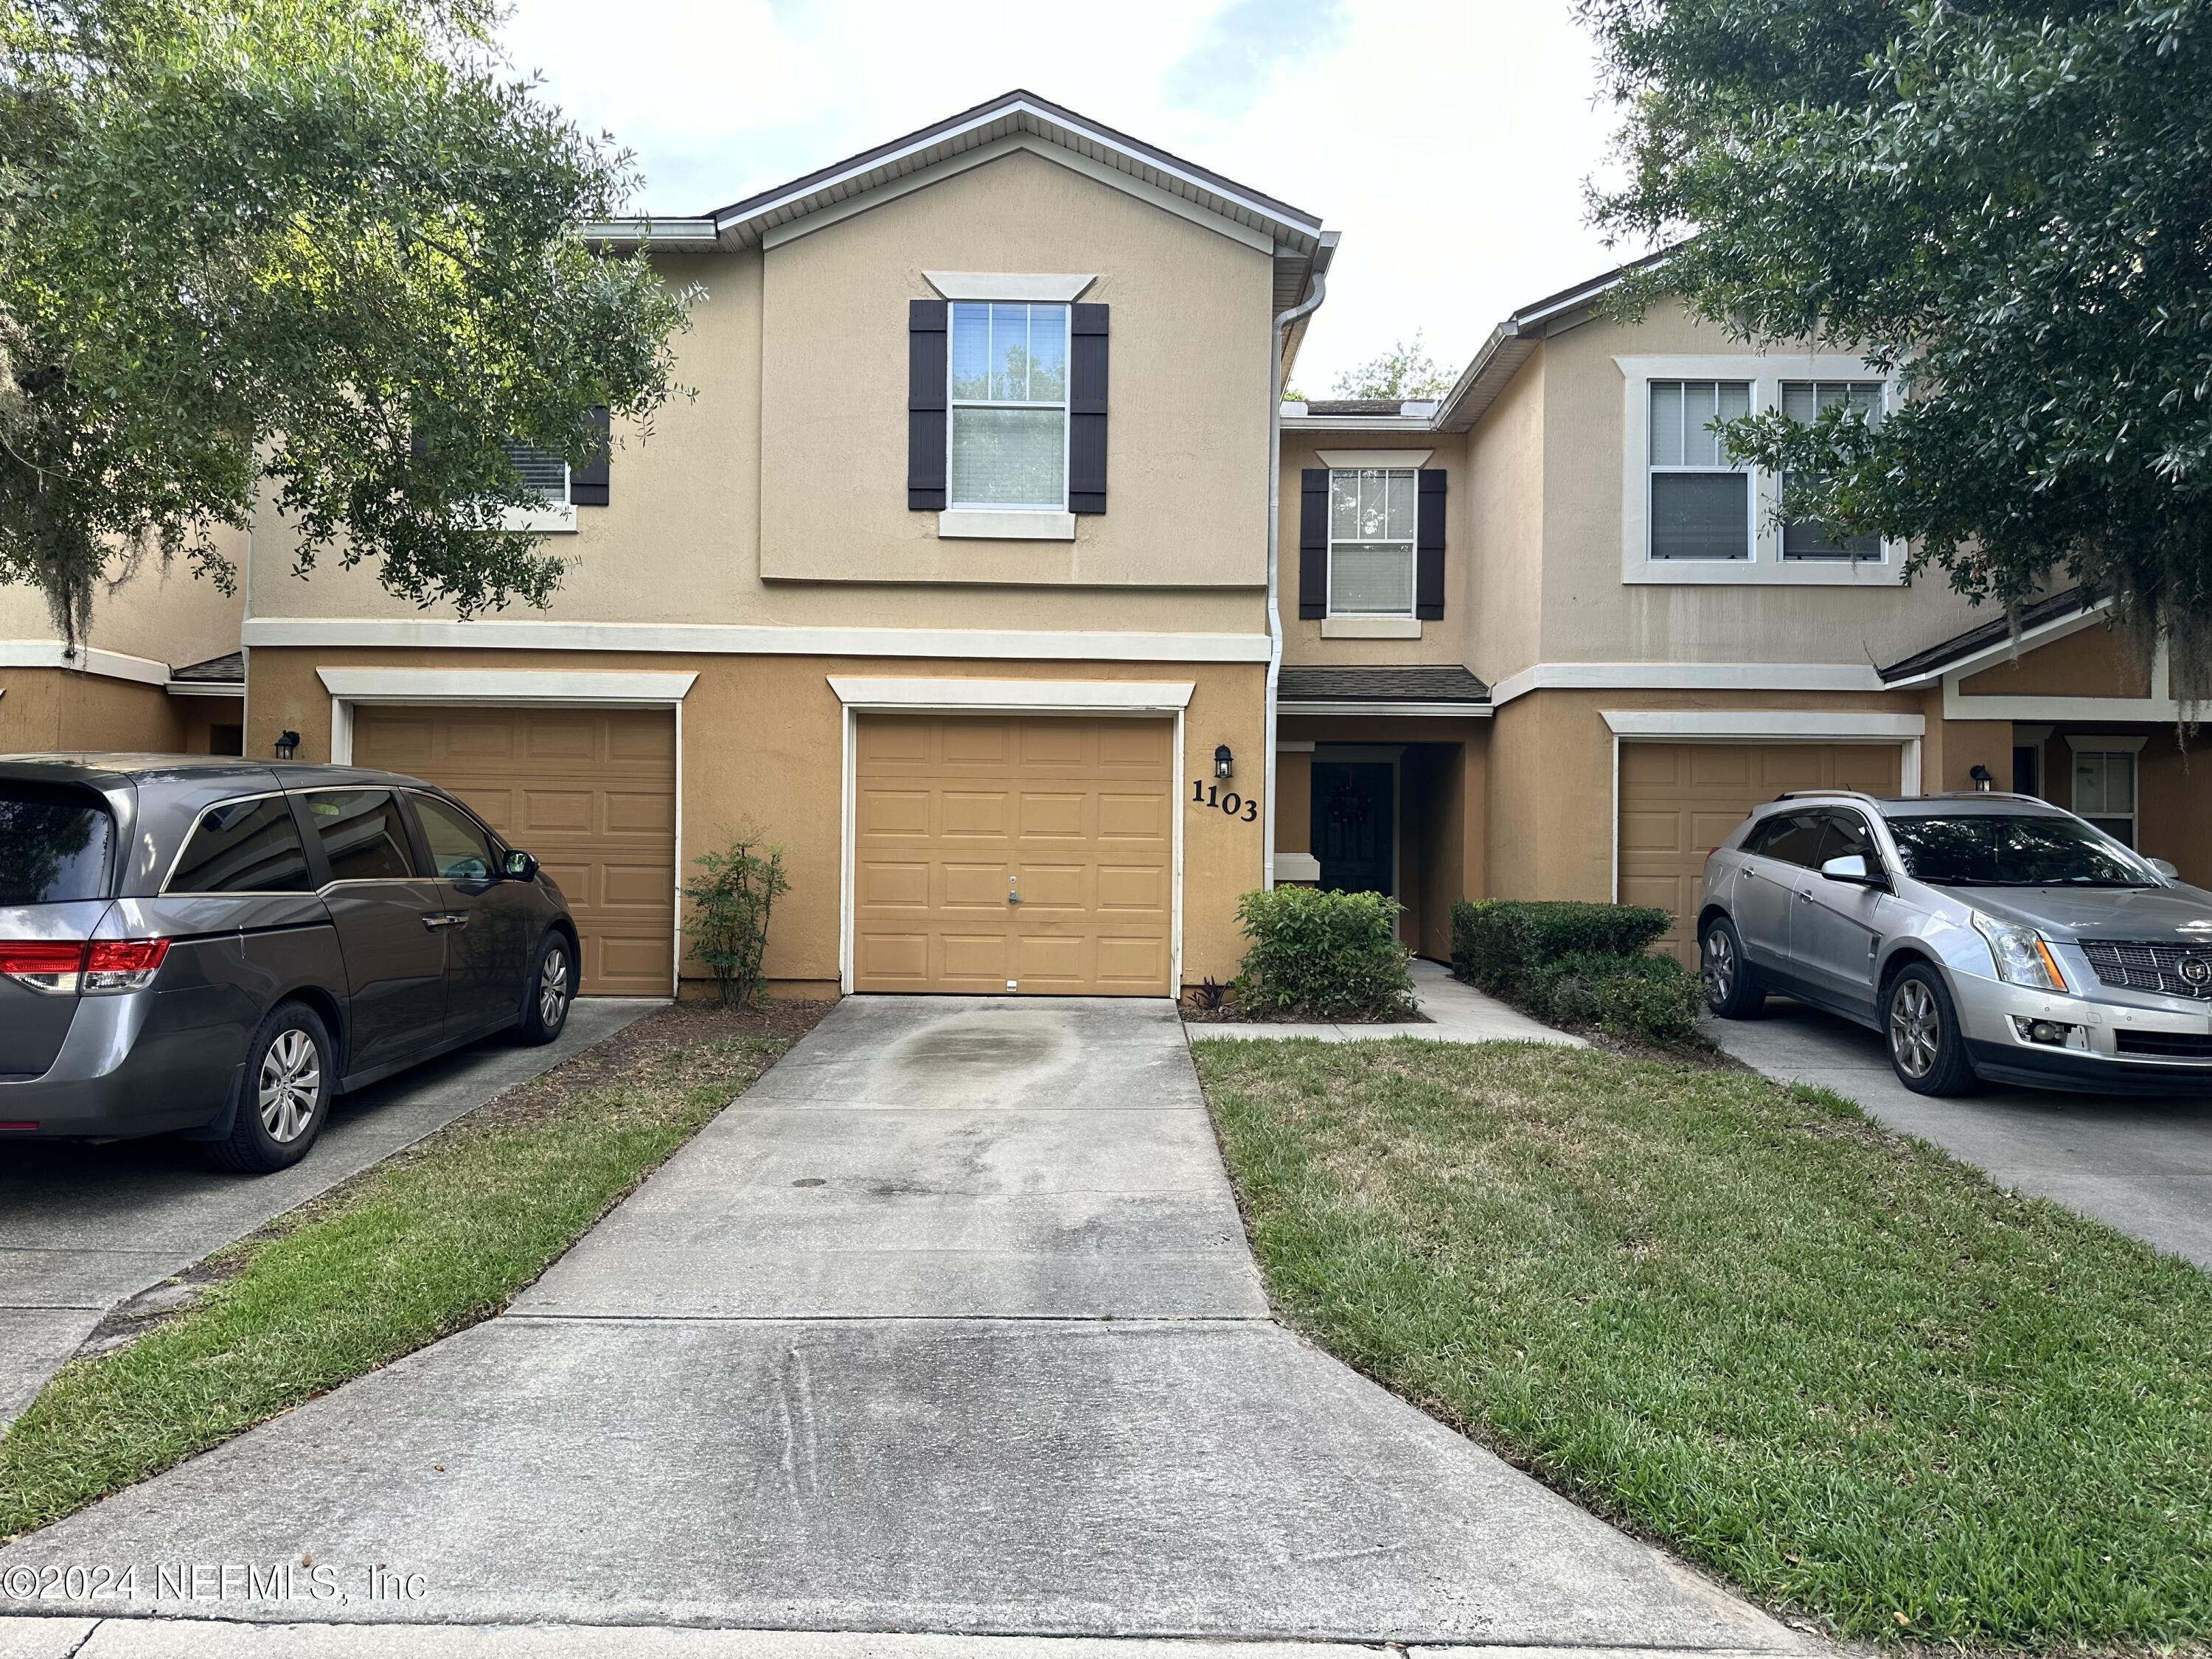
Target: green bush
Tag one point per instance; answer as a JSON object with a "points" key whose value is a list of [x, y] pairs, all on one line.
{"points": [[1649, 998], [1323, 955], [729, 908], [1498, 943]]}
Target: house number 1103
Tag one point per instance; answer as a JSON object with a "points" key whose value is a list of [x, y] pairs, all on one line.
{"points": [[1203, 793]]}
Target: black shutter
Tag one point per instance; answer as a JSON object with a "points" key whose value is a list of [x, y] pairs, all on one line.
{"points": [[1086, 410], [587, 484], [1429, 545], [1313, 543], [926, 371]]}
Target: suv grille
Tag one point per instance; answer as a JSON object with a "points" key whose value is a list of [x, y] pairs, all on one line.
{"points": [[2178, 1045], [2148, 967]]}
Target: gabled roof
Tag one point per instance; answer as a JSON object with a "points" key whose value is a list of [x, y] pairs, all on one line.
{"points": [[229, 670], [1991, 634]]}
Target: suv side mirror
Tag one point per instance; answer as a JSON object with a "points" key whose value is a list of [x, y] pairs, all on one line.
{"points": [[1851, 869], [519, 866], [2166, 868]]}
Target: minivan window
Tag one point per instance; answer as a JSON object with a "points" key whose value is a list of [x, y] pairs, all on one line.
{"points": [[459, 850], [244, 846], [362, 835], [1996, 850], [55, 844]]}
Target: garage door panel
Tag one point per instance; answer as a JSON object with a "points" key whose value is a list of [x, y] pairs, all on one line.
{"points": [[882, 884], [1071, 814], [590, 793]]}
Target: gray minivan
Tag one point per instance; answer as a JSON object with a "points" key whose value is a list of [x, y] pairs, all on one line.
{"points": [[215, 947]]}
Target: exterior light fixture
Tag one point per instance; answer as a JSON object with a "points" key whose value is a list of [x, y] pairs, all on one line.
{"points": [[1983, 779], [1224, 764], [287, 745]]}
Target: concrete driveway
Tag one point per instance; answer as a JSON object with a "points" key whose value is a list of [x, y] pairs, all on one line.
{"points": [[83, 1229], [948, 1326], [2143, 1166]]}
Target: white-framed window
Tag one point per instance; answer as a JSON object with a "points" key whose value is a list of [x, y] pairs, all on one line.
{"points": [[1008, 396], [1699, 504], [546, 476], [2105, 786], [1803, 401], [1370, 541], [1688, 517]]}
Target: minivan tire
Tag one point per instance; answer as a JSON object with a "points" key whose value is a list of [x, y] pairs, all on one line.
{"points": [[1920, 1023], [284, 1097], [549, 993], [1730, 990]]}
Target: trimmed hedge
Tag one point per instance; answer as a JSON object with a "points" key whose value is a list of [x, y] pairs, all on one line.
{"points": [[1497, 943], [1579, 964], [1323, 955]]}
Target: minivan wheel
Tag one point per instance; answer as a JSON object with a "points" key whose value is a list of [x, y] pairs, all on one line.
{"points": [[289, 1079], [551, 992], [1926, 1049], [1730, 990]]}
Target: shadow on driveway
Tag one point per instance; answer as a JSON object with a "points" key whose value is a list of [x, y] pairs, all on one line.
{"points": [[2143, 1165]]}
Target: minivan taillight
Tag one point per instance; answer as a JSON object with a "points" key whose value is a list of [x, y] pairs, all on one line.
{"points": [[67, 967]]}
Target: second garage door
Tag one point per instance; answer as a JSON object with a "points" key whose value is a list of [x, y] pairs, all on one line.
{"points": [[1029, 855], [1679, 800], [590, 792]]}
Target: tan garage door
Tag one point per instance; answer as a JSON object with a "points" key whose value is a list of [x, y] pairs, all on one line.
{"points": [[590, 792], [953, 815], [1678, 801]]}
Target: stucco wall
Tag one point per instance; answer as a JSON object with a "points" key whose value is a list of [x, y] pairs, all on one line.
{"points": [[49, 709], [1505, 527], [2094, 661], [762, 741]]}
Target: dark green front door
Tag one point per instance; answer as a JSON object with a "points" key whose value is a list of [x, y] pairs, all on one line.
{"points": [[1354, 827]]}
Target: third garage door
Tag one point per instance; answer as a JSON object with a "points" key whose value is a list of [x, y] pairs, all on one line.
{"points": [[956, 817], [1678, 801], [590, 792]]}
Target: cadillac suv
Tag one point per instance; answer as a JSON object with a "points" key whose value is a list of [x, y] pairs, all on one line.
{"points": [[1985, 936], [216, 947]]}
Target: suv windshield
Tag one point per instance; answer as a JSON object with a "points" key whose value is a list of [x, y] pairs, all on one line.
{"points": [[54, 844], [1996, 850]]}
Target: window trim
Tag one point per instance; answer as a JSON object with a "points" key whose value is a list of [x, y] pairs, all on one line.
{"points": [[2094, 742], [1782, 384], [1765, 565], [1028, 520], [1410, 613]]}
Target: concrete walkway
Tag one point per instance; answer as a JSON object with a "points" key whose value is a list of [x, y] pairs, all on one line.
{"points": [[84, 1229], [2141, 1165], [1456, 1013], [949, 1326]]}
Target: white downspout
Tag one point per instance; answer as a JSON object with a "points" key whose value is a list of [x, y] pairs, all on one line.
{"points": [[1283, 321]]}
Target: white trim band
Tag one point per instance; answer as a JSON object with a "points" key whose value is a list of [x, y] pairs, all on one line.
{"points": [[1031, 696], [469, 685], [1351, 460], [1688, 677], [1005, 524], [109, 665], [1837, 725], [720, 639], [1006, 285]]}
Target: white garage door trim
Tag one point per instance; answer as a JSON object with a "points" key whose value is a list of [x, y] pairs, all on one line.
{"points": [[1761, 726], [1084, 699], [494, 688]]}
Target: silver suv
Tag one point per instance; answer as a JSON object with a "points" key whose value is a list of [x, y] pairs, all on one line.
{"points": [[1986, 936]]}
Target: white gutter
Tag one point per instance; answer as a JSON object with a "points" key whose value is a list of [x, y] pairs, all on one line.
{"points": [[1283, 320]]}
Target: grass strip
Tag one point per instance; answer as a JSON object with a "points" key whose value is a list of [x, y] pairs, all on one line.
{"points": [[435, 1240], [1834, 1365]]}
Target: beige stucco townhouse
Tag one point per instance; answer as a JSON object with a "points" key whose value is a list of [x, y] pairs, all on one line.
{"points": [[954, 577]]}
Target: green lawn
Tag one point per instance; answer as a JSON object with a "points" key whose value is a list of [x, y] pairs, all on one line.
{"points": [[412, 1250], [1833, 1366]]}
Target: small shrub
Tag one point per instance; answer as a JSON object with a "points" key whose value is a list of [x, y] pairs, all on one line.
{"points": [[729, 908], [1649, 998], [1323, 956], [1498, 943]]}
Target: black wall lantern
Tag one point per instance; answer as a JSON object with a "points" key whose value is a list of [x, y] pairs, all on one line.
{"points": [[1985, 780], [1224, 764], [287, 745]]}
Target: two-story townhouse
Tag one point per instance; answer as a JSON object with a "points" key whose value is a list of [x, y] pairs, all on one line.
{"points": [[1572, 645], [951, 579], [159, 673]]}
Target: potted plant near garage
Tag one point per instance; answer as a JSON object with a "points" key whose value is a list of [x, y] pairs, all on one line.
{"points": [[731, 904]]}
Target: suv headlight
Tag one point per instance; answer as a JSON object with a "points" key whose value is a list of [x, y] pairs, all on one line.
{"points": [[2022, 956]]}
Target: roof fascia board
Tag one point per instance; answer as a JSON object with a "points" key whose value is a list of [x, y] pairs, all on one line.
{"points": [[1354, 706], [680, 235], [937, 172]]}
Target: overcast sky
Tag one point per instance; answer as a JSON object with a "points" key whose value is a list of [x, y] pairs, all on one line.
{"points": [[1448, 140]]}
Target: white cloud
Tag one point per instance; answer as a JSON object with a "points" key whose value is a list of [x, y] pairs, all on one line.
{"points": [[1448, 140]]}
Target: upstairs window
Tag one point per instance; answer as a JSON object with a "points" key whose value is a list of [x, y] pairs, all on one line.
{"points": [[1700, 502], [543, 475], [1371, 542], [1009, 406], [1804, 401]]}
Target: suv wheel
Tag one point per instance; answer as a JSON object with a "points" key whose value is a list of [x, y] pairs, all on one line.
{"points": [[287, 1094], [1729, 988], [1926, 1049], [551, 992]]}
